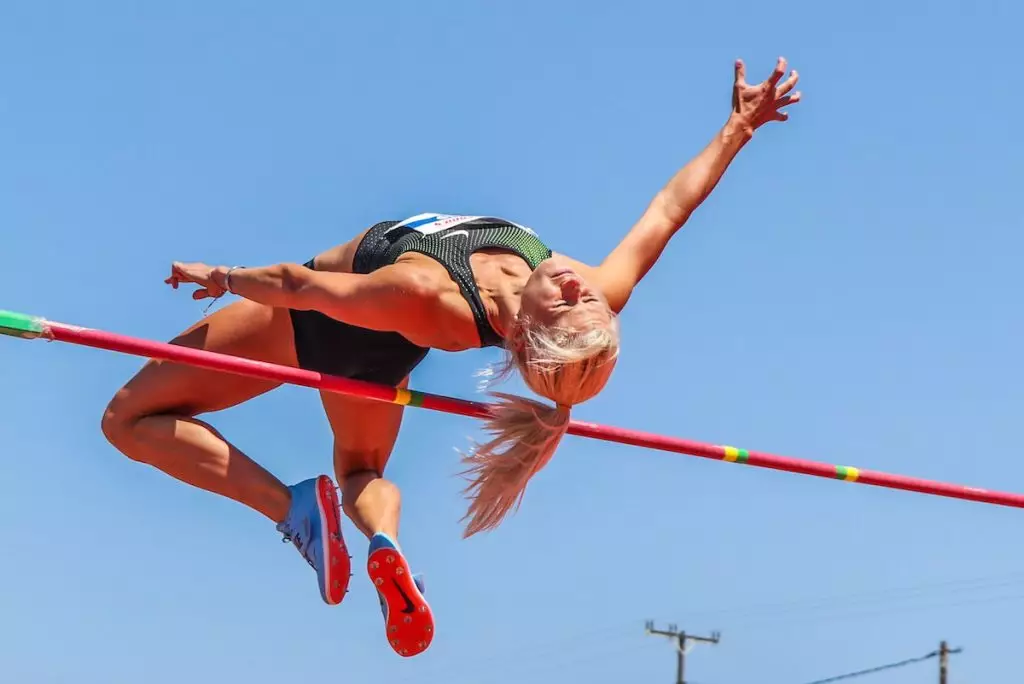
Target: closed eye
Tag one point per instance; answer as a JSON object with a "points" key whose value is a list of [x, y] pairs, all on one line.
{"points": [[561, 304]]}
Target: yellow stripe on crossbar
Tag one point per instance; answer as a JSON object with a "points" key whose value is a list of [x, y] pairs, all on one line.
{"points": [[403, 396]]}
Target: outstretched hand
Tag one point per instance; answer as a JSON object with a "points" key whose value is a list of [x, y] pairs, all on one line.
{"points": [[756, 105], [200, 274]]}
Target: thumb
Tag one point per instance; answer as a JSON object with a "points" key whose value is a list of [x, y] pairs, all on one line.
{"points": [[201, 293], [741, 72]]}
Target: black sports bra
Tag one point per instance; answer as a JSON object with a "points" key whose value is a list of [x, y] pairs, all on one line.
{"points": [[450, 240]]}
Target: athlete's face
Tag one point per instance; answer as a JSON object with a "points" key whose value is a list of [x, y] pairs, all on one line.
{"points": [[557, 296]]}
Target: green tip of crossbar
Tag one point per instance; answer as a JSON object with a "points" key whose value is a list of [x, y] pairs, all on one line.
{"points": [[20, 325]]}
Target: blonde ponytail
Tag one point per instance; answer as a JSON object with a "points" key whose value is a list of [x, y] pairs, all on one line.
{"points": [[566, 366], [526, 435]]}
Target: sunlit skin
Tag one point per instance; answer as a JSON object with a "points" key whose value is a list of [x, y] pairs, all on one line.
{"points": [[153, 419], [557, 295]]}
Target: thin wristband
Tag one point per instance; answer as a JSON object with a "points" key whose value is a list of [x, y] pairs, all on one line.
{"points": [[227, 279]]}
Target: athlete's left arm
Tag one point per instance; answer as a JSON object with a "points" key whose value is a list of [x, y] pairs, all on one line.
{"points": [[753, 106], [396, 298]]}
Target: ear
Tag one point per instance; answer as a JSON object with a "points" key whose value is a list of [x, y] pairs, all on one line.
{"points": [[515, 340]]}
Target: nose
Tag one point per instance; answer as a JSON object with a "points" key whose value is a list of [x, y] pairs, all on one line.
{"points": [[571, 290]]}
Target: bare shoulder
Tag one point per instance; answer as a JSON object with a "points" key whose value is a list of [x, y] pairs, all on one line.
{"points": [[415, 297], [446, 321]]}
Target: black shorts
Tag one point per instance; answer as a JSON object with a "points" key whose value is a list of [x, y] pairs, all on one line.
{"points": [[329, 346]]}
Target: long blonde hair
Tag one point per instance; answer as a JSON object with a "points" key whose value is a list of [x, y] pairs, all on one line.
{"points": [[566, 366]]}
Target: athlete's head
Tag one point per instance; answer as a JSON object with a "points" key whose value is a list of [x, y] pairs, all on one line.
{"points": [[556, 296], [564, 343]]}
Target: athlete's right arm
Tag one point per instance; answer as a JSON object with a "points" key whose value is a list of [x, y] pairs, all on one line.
{"points": [[395, 298]]}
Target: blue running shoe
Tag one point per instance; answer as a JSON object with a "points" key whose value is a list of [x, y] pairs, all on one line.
{"points": [[407, 616], [313, 524]]}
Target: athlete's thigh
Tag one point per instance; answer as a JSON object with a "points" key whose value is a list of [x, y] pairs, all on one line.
{"points": [[243, 328], [364, 431]]}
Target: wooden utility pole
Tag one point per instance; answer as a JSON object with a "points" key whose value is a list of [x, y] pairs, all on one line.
{"points": [[944, 652], [681, 639]]}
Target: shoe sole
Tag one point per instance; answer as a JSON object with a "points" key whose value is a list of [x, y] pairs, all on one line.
{"points": [[410, 622], [337, 562]]}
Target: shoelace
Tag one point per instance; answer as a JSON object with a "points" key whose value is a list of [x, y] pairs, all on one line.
{"points": [[302, 544]]}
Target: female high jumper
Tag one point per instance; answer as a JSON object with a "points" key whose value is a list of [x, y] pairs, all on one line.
{"points": [[371, 309]]}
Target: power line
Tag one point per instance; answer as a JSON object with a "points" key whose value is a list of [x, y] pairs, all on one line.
{"points": [[868, 603], [884, 596], [890, 666]]}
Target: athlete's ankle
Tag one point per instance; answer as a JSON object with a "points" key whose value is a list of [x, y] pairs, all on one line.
{"points": [[281, 508], [292, 504], [383, 538]]}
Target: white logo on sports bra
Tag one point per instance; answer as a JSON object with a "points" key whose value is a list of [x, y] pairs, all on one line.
{"points": [[428, 224], [454, 233]]}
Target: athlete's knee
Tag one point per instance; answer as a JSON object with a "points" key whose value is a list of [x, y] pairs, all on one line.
{"points": [[124, 426], [117, 422]]}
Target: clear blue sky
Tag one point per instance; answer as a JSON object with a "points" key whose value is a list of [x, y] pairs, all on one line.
{"points": [[850, 293]]}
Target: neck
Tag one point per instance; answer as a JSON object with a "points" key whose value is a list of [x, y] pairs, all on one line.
{"points": [[500, 279], [502, 309]]}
